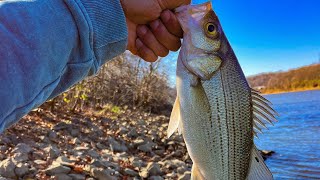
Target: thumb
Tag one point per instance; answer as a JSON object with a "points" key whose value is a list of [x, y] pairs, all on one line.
{"points": [[172, 4]]}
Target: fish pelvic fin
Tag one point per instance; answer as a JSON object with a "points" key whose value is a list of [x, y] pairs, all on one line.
{"points": [[175, 119], [195, 173], [262, 113], [258, 169]]}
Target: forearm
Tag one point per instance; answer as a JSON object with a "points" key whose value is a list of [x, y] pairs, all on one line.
{"points": [[47, 46]]}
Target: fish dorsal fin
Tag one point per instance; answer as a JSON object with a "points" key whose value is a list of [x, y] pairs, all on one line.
{"points": [[262, 112], [175, 118], [258, 169]]}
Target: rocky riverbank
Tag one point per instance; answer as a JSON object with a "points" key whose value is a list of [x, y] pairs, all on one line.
{"points": [[58, 146], [126, 146]]}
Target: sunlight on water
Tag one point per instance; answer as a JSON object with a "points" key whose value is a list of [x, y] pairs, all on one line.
{"points": [[296, 137]]}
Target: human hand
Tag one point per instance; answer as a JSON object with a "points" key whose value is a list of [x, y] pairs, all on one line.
{"points": [[153, 28]]}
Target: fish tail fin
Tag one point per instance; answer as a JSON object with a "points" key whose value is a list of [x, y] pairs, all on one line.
{"points": [[258, 169]]}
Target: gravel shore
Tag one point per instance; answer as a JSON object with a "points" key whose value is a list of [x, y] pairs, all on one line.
{"points": [[64, 146], [128, 145]]}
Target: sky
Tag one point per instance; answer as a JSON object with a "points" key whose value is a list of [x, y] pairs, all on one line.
{"points": [[270, 35]]}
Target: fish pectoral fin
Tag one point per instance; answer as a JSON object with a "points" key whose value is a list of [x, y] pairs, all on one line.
{"points": [[175, 118], [258, 169], [262, 112], [195, 173]]}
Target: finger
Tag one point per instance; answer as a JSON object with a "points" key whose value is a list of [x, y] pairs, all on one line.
{"points": [[167, 39], [171, 22], [132, 36], [144, 52], [171, 4], [148, 39]]}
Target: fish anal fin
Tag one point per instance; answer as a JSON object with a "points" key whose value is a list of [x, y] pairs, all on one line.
{"points": [[258, 169], [175, 118], [195, 173]]}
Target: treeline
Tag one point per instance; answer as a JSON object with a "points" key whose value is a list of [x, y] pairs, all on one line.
{"points": [[125, 82], [304, 78]]}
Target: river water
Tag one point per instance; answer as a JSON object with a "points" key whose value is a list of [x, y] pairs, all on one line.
{"points": [[296, 137]]}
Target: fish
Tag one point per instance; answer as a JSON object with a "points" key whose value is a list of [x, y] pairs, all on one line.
{"points": [[216, 111]]}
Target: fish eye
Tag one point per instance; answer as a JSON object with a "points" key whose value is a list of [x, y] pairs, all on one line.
{"points": [[211, 29]]}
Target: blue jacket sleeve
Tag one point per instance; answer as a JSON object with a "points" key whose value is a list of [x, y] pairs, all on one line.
{"points": [[48, 46]]}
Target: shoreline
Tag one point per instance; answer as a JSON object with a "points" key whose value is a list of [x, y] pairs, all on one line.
{"points": [[298, 90]]}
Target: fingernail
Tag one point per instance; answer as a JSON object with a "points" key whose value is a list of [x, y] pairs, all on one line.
{"points": [[155, 24], [165, 16], [142, 30], [138, 44]]}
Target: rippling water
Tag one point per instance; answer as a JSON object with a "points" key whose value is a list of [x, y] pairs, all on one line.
{"points": [[296, 137]]}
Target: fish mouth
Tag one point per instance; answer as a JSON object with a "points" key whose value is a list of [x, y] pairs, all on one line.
{"points": [[203, 65]]}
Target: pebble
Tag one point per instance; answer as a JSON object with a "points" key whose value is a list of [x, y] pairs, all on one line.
{"points": [[101, 146], [185, 176], [154, 169], [156, 178], [156, 158], [21, 169], [93, 153], [20, 157], [38, 155], [137, 163], [63, 160], [5, 140], [22, 148], [171, 175], [81, 148], [102, 174], [3, 148], [75, 132], [130, 172], [52, 151], [7, 167], [133, 133], [61, 177], [181, 170], [55, 169], [138, 142], [3, 178], [60, 126], [44, 139], [145, 147], [76, 141], [160, 152], [144, 173], [77, 176], [40, 162], [115, 146], [122, 130], [52, 135], [174, 164], [97, 163]]}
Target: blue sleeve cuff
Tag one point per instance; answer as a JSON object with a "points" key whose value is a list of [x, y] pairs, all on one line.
{"points": [[109, 29]]}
